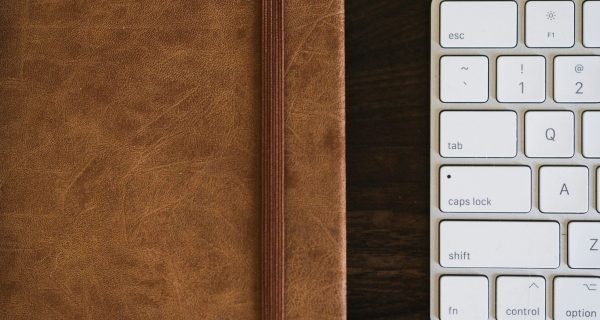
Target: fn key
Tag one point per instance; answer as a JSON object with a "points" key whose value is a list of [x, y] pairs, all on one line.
{"points": [[464, 298]]}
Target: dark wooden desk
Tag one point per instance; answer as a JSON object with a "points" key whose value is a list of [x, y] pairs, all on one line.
{"points": [[387, 45]]}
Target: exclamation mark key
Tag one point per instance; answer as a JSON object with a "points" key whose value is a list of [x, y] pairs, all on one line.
{"points": [[521, 79]]}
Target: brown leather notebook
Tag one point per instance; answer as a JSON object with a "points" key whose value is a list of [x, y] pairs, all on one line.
{"points": [[172, 159]]}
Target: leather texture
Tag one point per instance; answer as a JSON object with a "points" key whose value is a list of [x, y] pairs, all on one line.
{"points": [[130, 159], [315, 160]]}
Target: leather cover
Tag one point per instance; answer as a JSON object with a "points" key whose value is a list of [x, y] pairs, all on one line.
{"points": [[130, 159]]}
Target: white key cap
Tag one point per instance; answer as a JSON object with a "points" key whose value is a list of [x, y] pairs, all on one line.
{"points": [[577, 79], [564, 189], [521, 298], [550, 134], [464, 298], [591, 134], [521, 79], [591, 24], [478, 134], [464, 79], [576, 298], [584, 245], [478, 24], [550, 24], [499, 244], [485, 189], [598, 190]]}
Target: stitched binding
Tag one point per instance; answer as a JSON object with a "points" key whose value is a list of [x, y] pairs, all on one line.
{"points": [[272, 160]]}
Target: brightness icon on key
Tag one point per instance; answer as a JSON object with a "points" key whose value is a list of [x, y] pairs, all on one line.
{"points": [[551, 15]]}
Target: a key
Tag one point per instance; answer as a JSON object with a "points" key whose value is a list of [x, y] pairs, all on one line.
{"points": [[522, 298], [464, 79], [521, 79], [577, 79], [591, 24], [484, 189], [576, 298], [499, 244], [584, 245], [549, 134], [550, 24], [591, 134], [564, 189], [478, 24], [482, 134], [464, 298]]}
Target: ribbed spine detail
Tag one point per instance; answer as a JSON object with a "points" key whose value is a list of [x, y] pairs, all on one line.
{"points": [[273, 126]]}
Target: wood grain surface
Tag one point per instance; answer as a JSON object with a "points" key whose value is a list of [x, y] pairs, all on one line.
{"points": [[387, 74]]}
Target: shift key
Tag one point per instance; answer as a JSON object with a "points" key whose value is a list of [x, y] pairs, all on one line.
{"points": [[485, 189], [500, 244]]}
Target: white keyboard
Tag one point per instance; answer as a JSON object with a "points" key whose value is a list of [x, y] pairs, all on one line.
{"points": [[515, 160]]}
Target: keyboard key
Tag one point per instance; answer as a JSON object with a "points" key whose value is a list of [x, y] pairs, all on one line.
{"points": [[464, 79], [478, 134], [478, 24], [550, 134], [521, 79], [584, 245], [485, 189], [577, 79], [464, 298], [564, 189], [591, 24], [522, 298], [499, 244], [550, 24], [576, 298], [591, 134]]}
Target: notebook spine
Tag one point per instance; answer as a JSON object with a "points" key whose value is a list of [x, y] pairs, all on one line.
{"points": [[273, 164]]}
